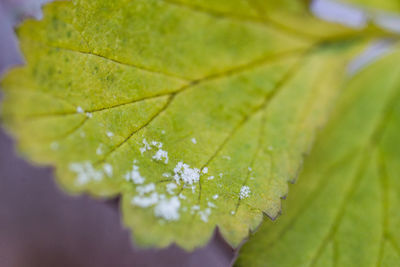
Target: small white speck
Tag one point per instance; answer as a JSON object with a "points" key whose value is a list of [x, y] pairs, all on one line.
{"points": [[145, 202], [163, 131], [160, 155], [85, 172], [211, 205], [108, 169], [134, 175], [221, 174], [171, 187], [54, 146], [146, 146], [244, 192], [79, 109], [110, 134], [270, 148], [145, 189], [215, 196], [182, 196], [205, 170], [82, 134], [194, 141], [99, 151], [210, 178], [232, 212], [168, 209], [204, 214], [166, 174], [250, 169], [89, 115], [226, 157], [251, 178]]}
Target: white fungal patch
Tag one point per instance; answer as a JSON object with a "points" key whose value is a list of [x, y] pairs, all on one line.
{"points": [[194, 208], [163, 132], [160, 155], [85, 173], [99, 150], [145, 202], [171, 187], [204, 214], [79, 109], [221, 174], [211, 205], [108, 169], [146, 146], [89, 115], [233, 212], [166, 174], [205, 170], [168, 209], [134, 175], [182, 196], [244, 192], [215, 196], [194, 141], [250, 169], [226, 157], [183, 172], [145, 189], [110, 134], [210, 178]]}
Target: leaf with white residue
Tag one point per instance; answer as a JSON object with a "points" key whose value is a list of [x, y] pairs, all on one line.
{"points": [[197, 113]]}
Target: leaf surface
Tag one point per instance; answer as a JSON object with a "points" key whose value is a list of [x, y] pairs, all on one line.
{"points": [[385, 5], [195, 115], [344, 210]]}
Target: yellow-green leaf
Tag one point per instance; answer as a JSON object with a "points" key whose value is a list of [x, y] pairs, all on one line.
{"points": [[386, 5], [195, 115], [344, 211]]}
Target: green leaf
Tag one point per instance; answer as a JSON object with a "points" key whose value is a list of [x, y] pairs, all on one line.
{"points": [[196, 116], [344, 210]]}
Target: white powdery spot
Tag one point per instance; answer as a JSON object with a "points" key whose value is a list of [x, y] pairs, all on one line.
{"points": [[89, 115], [244, 192], [181, 196], [79, 109], [134, 175], [99, 151], [194, 141], [215, 196], [157, 144], [160, 155], [204, 214], [183, 172], [163, 132], [168, 209], [145, 202], [108, 169], [166, 174], [146, 146], [171, 187], [205, 170], [233, 212], [226, 157], [54, 146], [210, 178], [250, 169], [194, 208], [211, 205], [145, 189], [85, 173], [110, 134]]}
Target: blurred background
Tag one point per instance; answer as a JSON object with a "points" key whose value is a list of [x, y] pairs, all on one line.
{"points": [[42, 226]]}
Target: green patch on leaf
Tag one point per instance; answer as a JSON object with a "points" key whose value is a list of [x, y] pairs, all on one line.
{"points": [[344, 209]]}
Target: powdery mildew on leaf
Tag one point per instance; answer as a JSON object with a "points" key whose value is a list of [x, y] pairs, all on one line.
{"points": [[196, 114]]}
